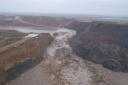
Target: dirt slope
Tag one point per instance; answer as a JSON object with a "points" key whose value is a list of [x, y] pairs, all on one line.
{"points": [[18, 59]]}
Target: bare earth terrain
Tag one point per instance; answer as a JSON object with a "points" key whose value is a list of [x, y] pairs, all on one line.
{"points": [[58, 51]]}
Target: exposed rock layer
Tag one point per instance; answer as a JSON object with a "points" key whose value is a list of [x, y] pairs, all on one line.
{"points": [[18, 59]]}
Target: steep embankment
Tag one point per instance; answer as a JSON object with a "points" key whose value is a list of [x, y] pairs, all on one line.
{"points": [[104, 43], [22, 55]]}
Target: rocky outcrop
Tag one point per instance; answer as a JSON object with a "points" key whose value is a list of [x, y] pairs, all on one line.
{"points": [[104, 43], [15, 61]]}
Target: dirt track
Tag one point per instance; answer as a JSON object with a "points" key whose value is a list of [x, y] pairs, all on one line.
{"points": [[16, 44]]}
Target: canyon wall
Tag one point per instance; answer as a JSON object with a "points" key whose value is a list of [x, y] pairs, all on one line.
{"points": [[104, 43]]}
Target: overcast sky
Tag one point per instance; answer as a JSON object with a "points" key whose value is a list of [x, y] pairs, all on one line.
{"points": [[89, 7]]}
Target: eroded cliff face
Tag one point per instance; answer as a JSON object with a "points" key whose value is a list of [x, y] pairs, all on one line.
{"points": [[103, 43], [18, 59]]}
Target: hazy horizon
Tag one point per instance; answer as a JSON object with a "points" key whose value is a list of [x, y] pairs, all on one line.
{"points": [[79, 7]]}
